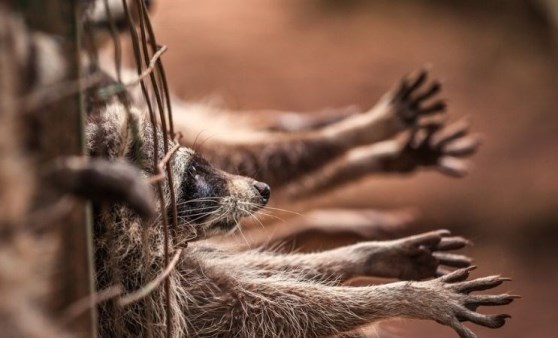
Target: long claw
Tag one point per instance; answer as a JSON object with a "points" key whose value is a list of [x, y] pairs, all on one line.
{"points": [[490, 300], [453, 166], [463, 147], [433, 90], [420, 79], [431, 238], [452, 243], [491, 321], [436, 107], [453, 131], [480, 284], [457, 275]]}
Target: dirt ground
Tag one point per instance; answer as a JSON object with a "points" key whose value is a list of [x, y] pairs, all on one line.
{"points": [[499, 65]]}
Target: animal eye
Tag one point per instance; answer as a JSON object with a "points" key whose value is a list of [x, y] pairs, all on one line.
{"points": [[193, 170]]}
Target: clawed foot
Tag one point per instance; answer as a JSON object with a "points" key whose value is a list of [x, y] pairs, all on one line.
{"points": [[444, 148], [458, 305], [415, 257], [415, 97]]}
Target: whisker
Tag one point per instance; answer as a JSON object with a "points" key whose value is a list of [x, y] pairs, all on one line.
{"points": [[254, 216], [242, 234], [283, 210], [204, 208]]}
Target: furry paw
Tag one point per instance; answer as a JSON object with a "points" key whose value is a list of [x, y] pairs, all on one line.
{"points": [[416, 257], [443, 148], [457, 305], [415, 97]]}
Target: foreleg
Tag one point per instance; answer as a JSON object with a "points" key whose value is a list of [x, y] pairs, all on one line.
{"points": [[261, 307], [431, 147], [411, 258]]}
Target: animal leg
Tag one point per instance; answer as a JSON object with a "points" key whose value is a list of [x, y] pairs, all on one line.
{"points": [[410, 258], [443, 149], [259, 307]]}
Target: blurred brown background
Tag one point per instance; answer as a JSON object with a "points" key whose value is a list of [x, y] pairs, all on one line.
{"points": [[499, 63]]}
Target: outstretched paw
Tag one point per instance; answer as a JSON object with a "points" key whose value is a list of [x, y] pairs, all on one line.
{"points": [[444, 149], [460, 305], [416, 96], [418, 257]]}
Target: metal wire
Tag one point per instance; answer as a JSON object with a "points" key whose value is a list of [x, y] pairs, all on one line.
{"points": [[153, 83], [144, 22]]}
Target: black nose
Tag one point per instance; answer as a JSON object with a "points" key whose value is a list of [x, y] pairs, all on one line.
{"points": [[264, 190]]}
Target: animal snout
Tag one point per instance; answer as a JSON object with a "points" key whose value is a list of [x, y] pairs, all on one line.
{"points": [[263, 190]]}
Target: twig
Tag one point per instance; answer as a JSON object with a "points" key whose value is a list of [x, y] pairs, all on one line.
{"points": [[160, 174], [117, 88], [150, 68], [151, 286], [81, 305]]}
